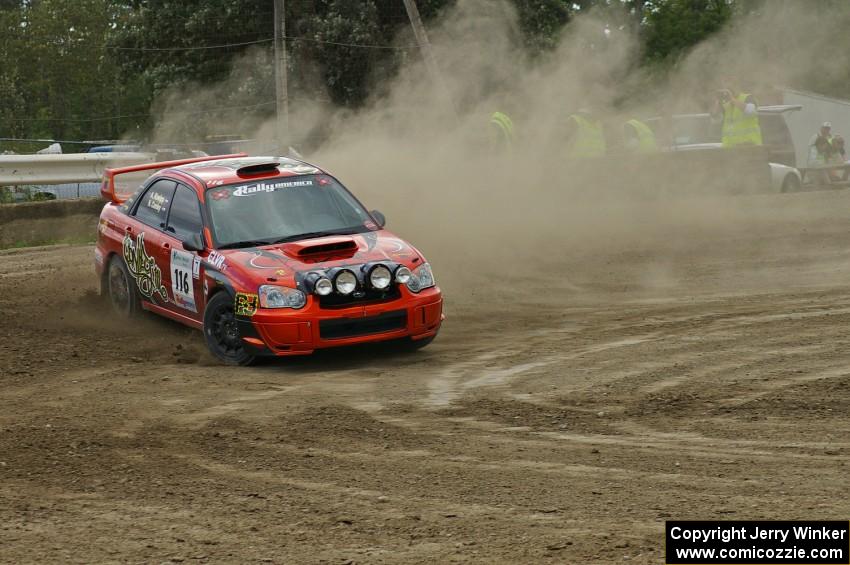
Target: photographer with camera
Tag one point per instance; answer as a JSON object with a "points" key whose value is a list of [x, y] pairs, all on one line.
{"points": [[739, 111], [820, 146]]}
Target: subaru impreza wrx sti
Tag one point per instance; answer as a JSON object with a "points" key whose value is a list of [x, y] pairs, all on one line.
{"points": [[267, 256]]}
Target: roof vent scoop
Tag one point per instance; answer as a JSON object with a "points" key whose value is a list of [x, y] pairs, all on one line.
{"points": [[257, 169]]}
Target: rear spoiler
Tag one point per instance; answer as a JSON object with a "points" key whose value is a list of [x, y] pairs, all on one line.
{"points": [[107, 187]]}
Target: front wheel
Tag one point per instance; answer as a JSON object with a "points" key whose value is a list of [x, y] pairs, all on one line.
{"points": [[222, 332]]}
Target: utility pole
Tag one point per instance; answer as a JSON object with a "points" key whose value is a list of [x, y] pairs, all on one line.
{"points": [[425, 48], [281, 82]]}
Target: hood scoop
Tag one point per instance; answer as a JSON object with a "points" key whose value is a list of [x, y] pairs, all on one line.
{"points": [[324, 248]]}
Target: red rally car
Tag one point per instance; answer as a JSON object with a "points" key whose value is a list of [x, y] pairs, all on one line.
{"points": [[268, 256]]}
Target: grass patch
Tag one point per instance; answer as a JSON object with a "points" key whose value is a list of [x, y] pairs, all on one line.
{"points": [[41, 242]]}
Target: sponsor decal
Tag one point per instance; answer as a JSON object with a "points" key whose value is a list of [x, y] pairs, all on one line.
{"points": [[246, 304], [269, 187], [182, 287], [143, 268], [196, 267], [216, 259], [324, 181], [221, 194], [392, 246], [98, 256], [299, 168], [371, 239], [280, 273], [397, 250], [156, 201], [216, 182], [102, 225], [261, 258]]}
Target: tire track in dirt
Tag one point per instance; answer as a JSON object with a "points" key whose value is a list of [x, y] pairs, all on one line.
{"points": [[564, 425]]}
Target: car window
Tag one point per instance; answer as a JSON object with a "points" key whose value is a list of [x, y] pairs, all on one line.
{"points": [[154, 204], [185, 216]]}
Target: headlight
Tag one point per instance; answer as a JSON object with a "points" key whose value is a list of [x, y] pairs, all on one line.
{"points": [[272, 296], [402, 275], [380, 277], [345, 282], [421, 278]]}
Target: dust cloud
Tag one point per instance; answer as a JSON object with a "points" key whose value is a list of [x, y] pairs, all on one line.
{"points": [[423, 152]]}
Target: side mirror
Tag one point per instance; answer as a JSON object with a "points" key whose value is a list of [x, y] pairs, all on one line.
{"points": [[193, 243], [382, 220]]}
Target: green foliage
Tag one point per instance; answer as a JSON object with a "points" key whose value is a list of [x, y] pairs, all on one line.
{"points": [[542, 20], [673, 26], [347, 70], [99, 69], [164, 41], [56, 77]]}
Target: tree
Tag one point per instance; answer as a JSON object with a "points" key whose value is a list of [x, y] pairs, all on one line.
{"points": [[542, 20], [56, 78], [673, 26]]}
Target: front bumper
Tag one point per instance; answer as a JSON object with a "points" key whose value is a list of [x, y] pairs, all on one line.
{"points": [[300, 332]]}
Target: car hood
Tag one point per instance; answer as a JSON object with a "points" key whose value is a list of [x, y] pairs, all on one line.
{"points": [[281, 263]]}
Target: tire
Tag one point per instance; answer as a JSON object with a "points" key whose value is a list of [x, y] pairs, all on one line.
{"points": [[790, 184], [121, 289], [222, 333]]}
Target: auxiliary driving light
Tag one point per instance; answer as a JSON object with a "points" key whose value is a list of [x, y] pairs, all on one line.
{"points": [[402, 275], [380, 277], [345, 282], [323, 286]]}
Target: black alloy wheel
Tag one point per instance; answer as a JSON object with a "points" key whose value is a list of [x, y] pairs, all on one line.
{"points": [[222, 332]]}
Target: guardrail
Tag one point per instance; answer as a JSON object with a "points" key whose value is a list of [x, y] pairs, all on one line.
{"points": [[16, 170]]}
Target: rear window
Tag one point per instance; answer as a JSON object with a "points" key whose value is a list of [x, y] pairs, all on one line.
{"points": [[774, 131], [155, 202]]}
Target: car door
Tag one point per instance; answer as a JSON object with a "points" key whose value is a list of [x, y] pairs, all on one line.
{"points": [[144, 239], [184, 221]]}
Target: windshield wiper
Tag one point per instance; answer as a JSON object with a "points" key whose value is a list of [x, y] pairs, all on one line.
{"points": [[314, 234], [240, 244]]}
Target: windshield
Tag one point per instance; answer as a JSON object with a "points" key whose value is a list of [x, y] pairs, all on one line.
{"points": [[690, 130], [283, 209]]}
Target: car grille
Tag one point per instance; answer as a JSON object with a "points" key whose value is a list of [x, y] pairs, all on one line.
{"points": [[352, 327], [335, 300]]}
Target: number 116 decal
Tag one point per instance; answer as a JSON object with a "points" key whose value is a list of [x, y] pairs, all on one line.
{"points": [[182, 287]]}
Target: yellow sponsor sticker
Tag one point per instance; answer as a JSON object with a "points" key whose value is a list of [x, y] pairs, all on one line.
{"points": [[246, 304]]}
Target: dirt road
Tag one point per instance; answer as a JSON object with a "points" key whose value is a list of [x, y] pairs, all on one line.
{"points": [[562, 416]]}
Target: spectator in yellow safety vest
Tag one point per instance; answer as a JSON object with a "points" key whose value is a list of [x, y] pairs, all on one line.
{"points": [[502, 128], [739, 111], [838, 157], [585, 135], [639, 137], [839, 153]]}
